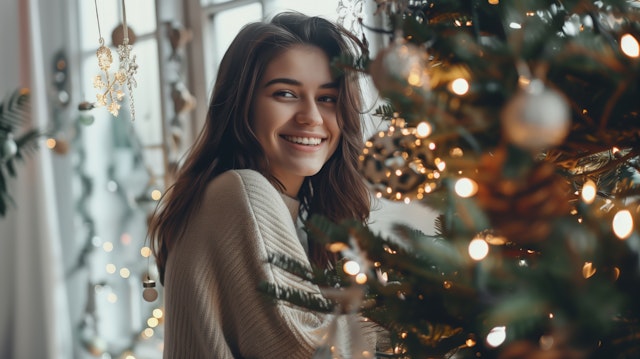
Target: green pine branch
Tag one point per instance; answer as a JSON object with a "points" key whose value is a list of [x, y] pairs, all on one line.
{"points": [[14, 111]]}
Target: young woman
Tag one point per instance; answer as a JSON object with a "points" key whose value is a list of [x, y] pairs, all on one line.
{"points": [[280, 143]]}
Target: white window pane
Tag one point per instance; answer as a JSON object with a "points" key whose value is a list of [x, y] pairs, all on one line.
{"points": [[141, 16], [226, 24], [325, 8], [147, 95], [109, 18]]}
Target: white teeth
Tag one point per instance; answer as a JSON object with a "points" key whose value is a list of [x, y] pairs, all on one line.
{"points": [[307, 141]]}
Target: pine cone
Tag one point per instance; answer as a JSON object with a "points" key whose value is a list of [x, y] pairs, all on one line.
{"points": [[522, 208]]}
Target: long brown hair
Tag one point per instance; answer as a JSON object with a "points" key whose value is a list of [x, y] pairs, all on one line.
{"points": [[228, 142]]}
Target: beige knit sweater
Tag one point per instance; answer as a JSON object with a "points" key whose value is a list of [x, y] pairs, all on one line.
{"points": [[213, 307]]}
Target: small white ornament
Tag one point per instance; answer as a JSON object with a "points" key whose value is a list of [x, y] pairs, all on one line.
{"points": [[536, 118]]}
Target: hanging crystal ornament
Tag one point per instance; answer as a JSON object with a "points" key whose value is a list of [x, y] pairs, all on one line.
{"points": [[128, 65], [350, 12], [110, 86]]}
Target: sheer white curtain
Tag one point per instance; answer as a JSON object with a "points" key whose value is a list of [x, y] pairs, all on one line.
{"points": [[34, 320]]}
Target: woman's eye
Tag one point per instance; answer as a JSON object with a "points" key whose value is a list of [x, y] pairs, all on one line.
{"points": [[331, 99], [286, 94]]}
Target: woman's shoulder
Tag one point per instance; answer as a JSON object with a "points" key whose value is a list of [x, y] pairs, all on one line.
{"points": [[237, 183]]}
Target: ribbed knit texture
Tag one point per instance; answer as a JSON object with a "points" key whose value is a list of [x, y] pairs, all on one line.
{"points": [[213, 306]]}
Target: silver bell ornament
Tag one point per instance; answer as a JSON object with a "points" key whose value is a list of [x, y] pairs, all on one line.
{"points": [[401, 69], [399, 165], [536, 118]]}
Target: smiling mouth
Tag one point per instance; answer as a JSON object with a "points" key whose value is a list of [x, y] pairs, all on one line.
{"points": [[306, 141]]}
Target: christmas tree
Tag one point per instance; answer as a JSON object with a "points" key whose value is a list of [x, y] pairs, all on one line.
{"points": [[519, 121]]}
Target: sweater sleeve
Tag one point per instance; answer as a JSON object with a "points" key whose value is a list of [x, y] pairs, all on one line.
{"points": [[214, 309]]}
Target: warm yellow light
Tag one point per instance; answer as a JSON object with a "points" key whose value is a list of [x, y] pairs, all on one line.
{"points": [[145, 251], [153, 322], [125, 272], [156, 195], [497, 336], [111, 268], [423, 130], [440, 164], [629, 45], [623, 224], [589, 191], [466, 187], [351, 267], [147, 333], [588, 270], [157, 313], [51, 142], [460, 86], [478, 249], [470, 342], [494, 2], [107, 246], [361, 278]]}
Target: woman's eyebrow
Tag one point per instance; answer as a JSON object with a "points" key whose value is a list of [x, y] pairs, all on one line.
{"points": [[283, 80], [288, 81]]}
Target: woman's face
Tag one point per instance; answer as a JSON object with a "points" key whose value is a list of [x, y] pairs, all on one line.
{"points": [[295, 115]]}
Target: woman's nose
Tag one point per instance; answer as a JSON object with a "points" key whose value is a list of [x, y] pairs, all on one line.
{"points": [[309, 114]]}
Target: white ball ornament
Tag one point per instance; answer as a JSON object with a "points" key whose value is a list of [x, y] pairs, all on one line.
{"points": [[536, 118]]}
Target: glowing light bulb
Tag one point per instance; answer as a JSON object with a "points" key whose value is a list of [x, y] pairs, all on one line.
{"points": [[153, 322], [107, 246], [460, 86], [623, 224], [361, 278], [423, 129], [589, 191], [145, 251], [110, 268], [466, 187], [148, 333], [125, 272], [629, 45], [478, 249], [156, 195], [51, 143], [497, 336], [351, 267], [588, 270], [158, 313]]}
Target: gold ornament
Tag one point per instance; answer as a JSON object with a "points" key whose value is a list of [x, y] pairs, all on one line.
{"points": [[399, 164]]}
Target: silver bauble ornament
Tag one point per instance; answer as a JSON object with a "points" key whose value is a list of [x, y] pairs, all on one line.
{"points": [[9, 147], [536, 118]]}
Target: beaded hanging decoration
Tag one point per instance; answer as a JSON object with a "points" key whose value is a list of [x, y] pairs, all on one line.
{"points": [[111, 86]]}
